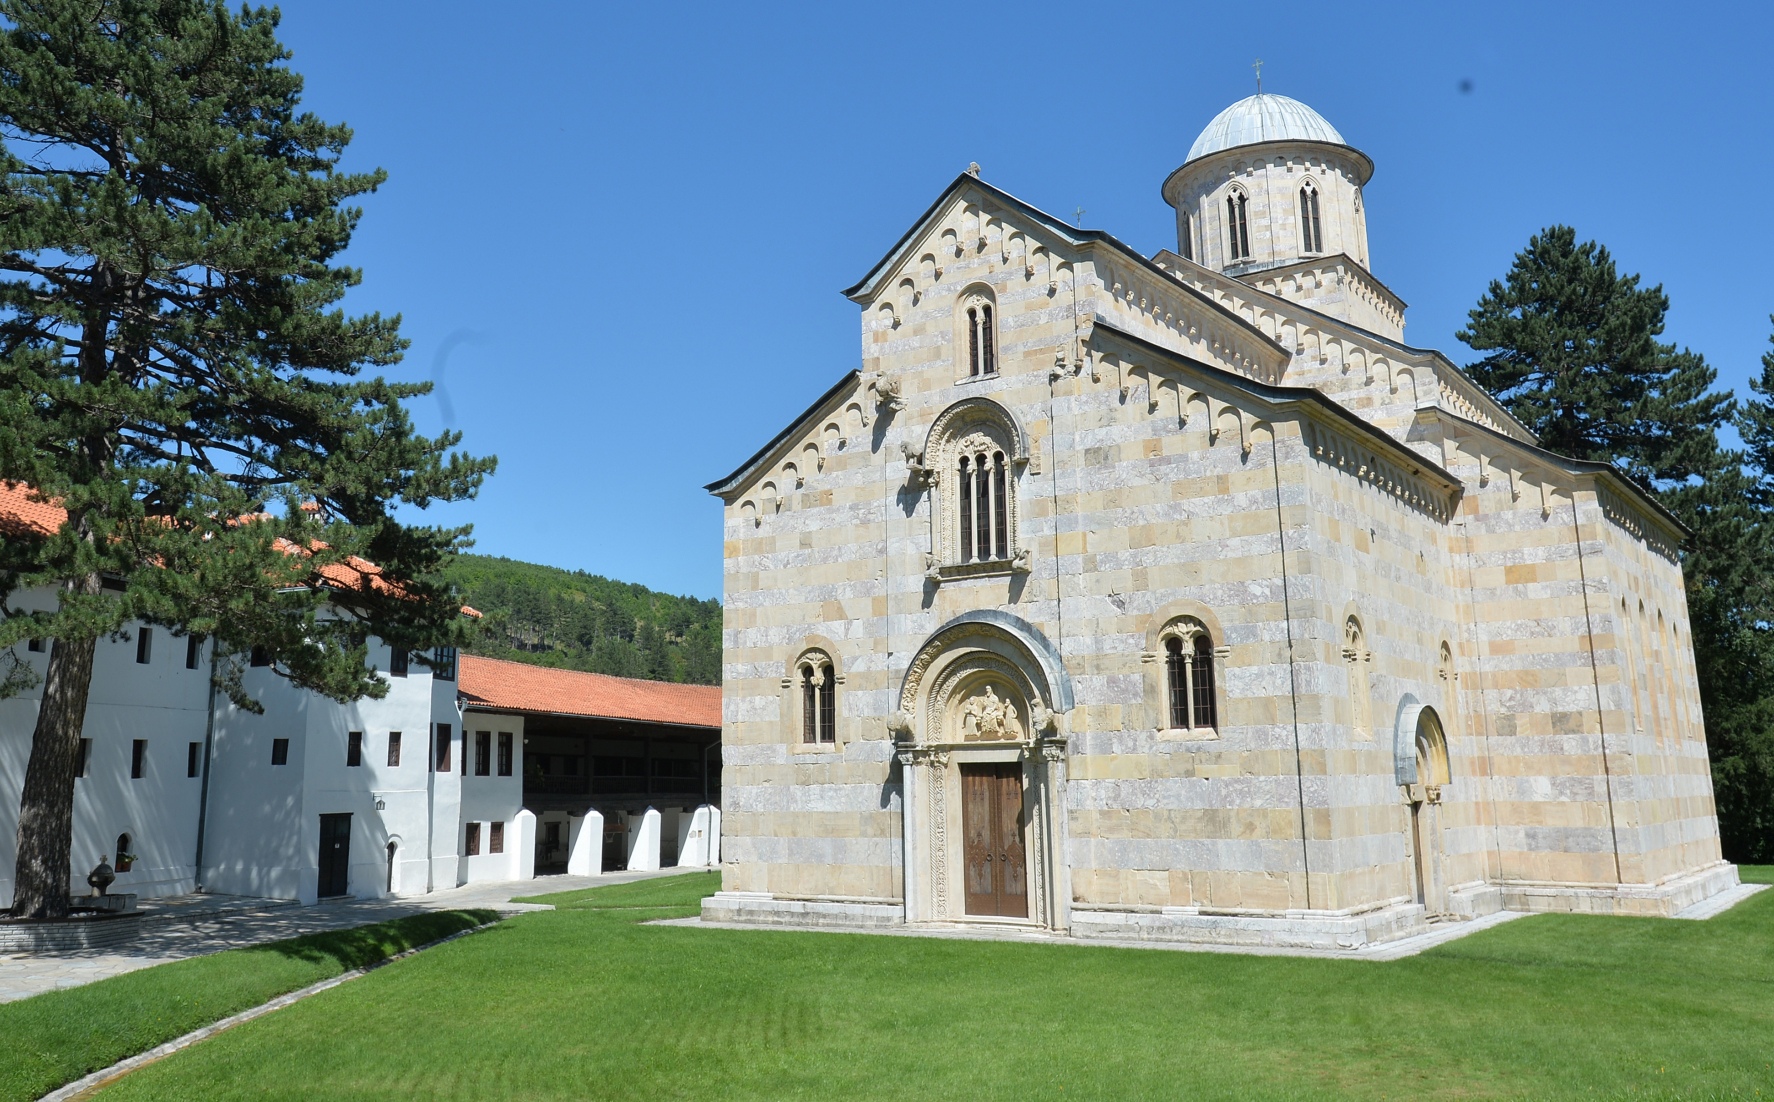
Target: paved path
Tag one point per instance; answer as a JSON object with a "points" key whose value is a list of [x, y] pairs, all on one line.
{"points": [[194, 925]]}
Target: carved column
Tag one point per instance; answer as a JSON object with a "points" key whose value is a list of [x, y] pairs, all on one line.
{"points": [[1056, 904], [910, 802]]}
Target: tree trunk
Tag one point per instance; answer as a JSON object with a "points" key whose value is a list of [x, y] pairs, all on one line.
{"points": [[46, 806]]}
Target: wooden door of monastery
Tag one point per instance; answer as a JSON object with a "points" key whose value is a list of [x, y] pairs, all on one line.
{"points": [[992, 832]]}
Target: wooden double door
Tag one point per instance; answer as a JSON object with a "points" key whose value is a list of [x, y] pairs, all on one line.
{"points": [[992, 821]]}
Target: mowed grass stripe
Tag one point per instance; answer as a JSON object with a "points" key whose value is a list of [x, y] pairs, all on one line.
{"points": [[59, 1036], [587, 1003]]}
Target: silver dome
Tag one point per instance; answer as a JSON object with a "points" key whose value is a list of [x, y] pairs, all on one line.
{"points": [[1263, 118]]}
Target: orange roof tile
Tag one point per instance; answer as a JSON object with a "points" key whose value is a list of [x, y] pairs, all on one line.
{"points": [[20, 515], [516, 687]]}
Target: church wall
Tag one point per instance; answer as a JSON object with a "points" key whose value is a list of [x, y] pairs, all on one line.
{"points": [[1666, 815], [1386, 565], [1149, 489]]}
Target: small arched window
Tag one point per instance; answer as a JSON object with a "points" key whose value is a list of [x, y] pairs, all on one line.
{"points": [[1357, 657], [1237, 226], [982, 355], [985, 514], [1311, 229], [1188, 677], [1187, 238], [819, 699], [124, 857]]}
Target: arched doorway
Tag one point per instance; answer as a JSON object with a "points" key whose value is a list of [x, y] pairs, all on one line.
{"points": [[982, 763], [1425, 803]]}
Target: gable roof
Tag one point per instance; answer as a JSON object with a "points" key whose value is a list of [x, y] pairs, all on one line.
{"points": [[865, 288], [492, 684]]}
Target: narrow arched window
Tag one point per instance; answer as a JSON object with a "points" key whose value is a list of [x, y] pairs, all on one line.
{"points": [[966, 493], [1311, 230], [1176, 672], [124, 858], [1356, 654], [1201, 684], [1187, 238], [1000, 511], [973, 340], [1237, 226], [828, 707], [819, 699], [982, 508], [1188, 677]]}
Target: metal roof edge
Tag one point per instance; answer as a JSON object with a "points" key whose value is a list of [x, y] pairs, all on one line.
{"points": [[722, 486]]}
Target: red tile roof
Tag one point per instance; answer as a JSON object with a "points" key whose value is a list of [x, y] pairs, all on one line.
{"points": [[516, 687], [20, 515]]}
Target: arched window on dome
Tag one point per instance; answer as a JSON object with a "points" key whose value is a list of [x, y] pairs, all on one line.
{"points": [[1311, 229], [1237, 226]]}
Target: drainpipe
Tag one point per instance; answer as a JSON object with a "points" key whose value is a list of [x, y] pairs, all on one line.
{"points": [[209, 735], [1293, 690]]}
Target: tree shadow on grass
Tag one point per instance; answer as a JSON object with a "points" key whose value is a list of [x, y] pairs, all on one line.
{"points": [[363, 946]]}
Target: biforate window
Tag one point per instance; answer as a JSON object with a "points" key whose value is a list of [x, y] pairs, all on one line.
{"points": [[1190, 695], [979, 320], [818, 698]]}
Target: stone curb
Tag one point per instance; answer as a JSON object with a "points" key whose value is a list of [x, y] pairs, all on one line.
{"points": [[88, 1085]]}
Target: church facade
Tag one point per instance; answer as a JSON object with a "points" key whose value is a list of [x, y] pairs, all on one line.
{"points": [[1178, 597]]}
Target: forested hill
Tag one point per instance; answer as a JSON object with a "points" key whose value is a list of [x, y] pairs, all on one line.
{"points": [[573, 620]]}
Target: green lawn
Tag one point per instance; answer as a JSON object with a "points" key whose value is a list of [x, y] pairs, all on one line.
{"points": [[585, 1002], [57, 1037]]}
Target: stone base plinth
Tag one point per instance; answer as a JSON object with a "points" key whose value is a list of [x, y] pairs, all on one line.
{"points": [[1656, 900], [765, 909], [1295, 929]]}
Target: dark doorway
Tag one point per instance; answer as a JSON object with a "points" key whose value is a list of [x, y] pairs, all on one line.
{"points": [[335, 853], [992, 826], [615, 846]]}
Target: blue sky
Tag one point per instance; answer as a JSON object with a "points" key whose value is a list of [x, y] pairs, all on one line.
{"points": [[618, 233]]}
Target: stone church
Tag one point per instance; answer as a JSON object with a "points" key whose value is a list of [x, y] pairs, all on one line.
{"points": [[1178, 597]]}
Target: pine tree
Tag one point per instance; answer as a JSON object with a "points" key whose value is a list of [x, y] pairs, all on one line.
{"points": [[1574, 355], [176, 375], [1734, 637]]}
